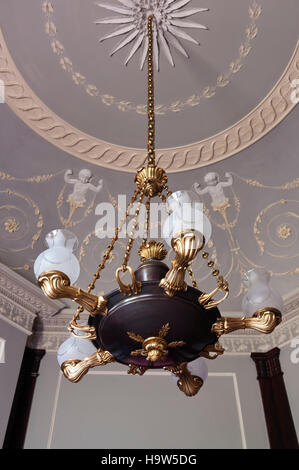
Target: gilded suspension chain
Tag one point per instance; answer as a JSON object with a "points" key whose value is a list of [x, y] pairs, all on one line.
{"points": [[150, 102], [88, 331], [206, 300], [147, 221], [132, 233]]}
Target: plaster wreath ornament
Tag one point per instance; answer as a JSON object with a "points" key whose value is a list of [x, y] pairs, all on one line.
{"points": [[169, 22]]}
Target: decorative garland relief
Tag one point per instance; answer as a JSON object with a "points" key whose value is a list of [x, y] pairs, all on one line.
{"points": [[223, 79], [241, 135]]}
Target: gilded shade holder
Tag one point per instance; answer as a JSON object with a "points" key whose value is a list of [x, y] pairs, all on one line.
{"points": [[263, 321], [75, 369], [186, 245]]}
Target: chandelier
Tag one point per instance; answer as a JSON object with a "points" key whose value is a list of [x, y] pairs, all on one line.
{"points": [[156, 320]]}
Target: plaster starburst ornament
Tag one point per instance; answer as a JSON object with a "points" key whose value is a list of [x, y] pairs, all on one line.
{"points": [[168, 26]]}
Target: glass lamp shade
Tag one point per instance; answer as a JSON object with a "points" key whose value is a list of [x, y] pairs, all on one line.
{"points": [[59, 256], [185, 214], [197, 367], [74, 348], [260, 294]]}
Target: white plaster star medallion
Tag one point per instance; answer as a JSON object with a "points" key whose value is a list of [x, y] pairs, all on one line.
{"points": [[168, 26]]}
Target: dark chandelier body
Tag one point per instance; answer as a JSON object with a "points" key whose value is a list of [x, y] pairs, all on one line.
{"points": [[156, 320]]}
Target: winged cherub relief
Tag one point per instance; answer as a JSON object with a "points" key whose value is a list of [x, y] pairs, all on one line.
{"points": [[81, 185], [214, 187]]}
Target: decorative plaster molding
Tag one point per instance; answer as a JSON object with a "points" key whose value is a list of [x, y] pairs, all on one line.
{"points": [[241, 135], [16, 316], [19, 295], [178, 104], [49, 333]]}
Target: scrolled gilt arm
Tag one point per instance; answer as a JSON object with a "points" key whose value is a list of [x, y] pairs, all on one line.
{"points": [[75, 369], [186, 246], [57, 285], [264, 320]]}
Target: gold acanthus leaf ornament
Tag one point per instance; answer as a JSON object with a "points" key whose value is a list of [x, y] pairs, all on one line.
{"points": [[154, 348]]}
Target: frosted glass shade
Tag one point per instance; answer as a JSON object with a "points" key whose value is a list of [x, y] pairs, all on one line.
{"points": [[59, 256], [185, 213], [74, 348], [260, 294], [197, 367]]}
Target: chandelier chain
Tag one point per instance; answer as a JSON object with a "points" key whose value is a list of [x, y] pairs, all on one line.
{"points": [[147, 221], [151, 100], [131, 237], [105, 257], [192, 277]]}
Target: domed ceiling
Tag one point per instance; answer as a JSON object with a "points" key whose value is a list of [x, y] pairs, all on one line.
{"points": [[224, 77]]}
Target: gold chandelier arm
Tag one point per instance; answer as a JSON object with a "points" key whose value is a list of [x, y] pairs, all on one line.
{"points": [[186, 246], [189, 384], [264, 321], [75, 369], [56, 285]]}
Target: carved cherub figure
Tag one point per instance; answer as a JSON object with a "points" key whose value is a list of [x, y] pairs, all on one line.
{"points": [[215, 188], [81, 185]]}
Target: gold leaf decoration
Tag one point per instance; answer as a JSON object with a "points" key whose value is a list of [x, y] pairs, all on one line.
{"points": [[135, 337], [164, 330]]}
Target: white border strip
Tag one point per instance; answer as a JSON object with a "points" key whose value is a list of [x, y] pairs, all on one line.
{"points": [[53, 417]]}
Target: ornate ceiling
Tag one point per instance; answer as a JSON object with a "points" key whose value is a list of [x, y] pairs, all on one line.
{"points": [[65, 97], [231, 91]]}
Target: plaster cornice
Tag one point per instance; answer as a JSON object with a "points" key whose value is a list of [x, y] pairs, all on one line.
{"points": [[270, 112], [21, 301]]}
